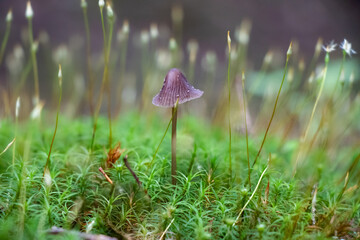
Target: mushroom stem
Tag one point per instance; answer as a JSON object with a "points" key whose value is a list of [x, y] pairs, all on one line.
{"points": [[173, 145]]}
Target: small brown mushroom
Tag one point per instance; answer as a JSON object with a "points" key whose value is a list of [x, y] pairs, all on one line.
{"points": [[175, 90]]}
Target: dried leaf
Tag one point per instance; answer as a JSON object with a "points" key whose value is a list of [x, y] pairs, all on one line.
{"points": [[114, 154]]}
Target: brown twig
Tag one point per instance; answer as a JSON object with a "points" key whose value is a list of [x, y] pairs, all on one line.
{"points": [[132, 172], [105, 175]]}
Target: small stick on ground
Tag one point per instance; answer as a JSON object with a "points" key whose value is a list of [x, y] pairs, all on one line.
{"points": [[105, 175], [132, 172]]}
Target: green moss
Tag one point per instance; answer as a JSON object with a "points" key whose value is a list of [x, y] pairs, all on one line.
{"points": [[203, 204]]}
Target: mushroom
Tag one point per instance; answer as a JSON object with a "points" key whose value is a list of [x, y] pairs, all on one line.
{"points": [[175, 90]]}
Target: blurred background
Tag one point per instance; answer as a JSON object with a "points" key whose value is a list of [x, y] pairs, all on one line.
{"points": [[269, 25], [274, 23]]}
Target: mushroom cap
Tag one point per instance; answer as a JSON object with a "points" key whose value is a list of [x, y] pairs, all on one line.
{"points": [[175, 87]]}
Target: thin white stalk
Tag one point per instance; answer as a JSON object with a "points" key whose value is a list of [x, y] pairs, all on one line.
{"points": [[252, 195], [8, 146], [167, 228], [313, 206]]}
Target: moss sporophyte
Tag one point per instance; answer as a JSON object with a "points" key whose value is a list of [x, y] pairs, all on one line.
{"points": [[175, 90]]}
